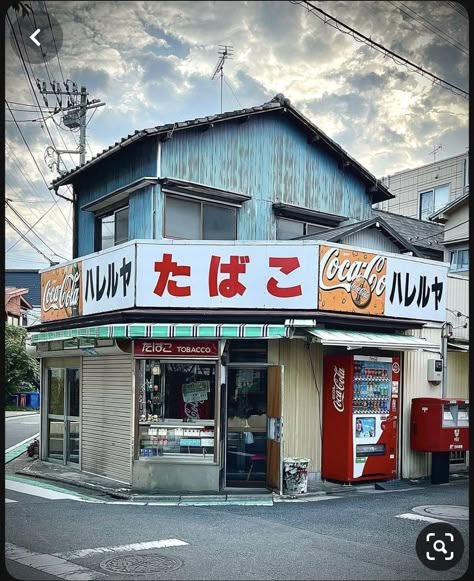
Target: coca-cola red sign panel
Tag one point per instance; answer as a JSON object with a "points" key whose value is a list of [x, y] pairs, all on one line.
{"points": [[61, 296], [158, 349]]}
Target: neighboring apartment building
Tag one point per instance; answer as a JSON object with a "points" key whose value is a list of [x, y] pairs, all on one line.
{"points": [[421, 191], [438, 195], [455, 217], [182, 306]]}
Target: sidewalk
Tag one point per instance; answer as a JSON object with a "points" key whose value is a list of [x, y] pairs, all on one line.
{"points": [[18, 414], [35, 468]]}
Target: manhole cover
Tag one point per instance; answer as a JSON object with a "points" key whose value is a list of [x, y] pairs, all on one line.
{"points": [[141, 564], [443, 511]]}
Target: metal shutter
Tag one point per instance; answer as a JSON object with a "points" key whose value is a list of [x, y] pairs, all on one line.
{"points": [[107, 416]]}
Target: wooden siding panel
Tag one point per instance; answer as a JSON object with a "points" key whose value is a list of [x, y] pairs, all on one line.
{"points": [[372, 240], [458, 375], [301, 399], [140, 214], [117, 170], [458, 302], [269, 159], [415, 384], [107, 416]]}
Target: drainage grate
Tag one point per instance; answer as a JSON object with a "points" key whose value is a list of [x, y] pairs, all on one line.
{"points": [[141, 564]]}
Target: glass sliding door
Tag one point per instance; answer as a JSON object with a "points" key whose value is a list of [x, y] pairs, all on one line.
{"points": [[63, 422], [246, 449]]}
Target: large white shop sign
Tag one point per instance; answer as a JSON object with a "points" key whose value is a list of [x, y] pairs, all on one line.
{"points": [[277, 275]]}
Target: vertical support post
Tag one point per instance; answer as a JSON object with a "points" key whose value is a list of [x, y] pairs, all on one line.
{"points": [[82, 129]]}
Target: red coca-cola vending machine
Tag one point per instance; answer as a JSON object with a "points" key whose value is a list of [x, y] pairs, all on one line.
{"points": [[360, 412]]}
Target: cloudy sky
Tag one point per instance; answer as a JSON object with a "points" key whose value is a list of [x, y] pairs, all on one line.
{"points": [[152, 63]]}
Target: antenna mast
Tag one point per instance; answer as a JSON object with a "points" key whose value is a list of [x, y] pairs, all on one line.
{"points": [[225, 51]]}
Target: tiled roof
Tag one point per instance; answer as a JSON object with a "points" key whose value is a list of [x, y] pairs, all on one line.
{"points": [[421, 233], [336, 234], [278, 103]]}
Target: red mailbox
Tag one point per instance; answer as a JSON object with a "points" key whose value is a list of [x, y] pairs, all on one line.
{"points": [[439, 425]]}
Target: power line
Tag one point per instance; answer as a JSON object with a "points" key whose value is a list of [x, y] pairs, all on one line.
{"points": [[459, 9], [429, 26], [8, 203], [51, 262], [380, 48], [416, 240], [37, 167]]}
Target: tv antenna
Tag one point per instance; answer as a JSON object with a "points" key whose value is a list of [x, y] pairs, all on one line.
{"points": [[225, 52], [435, 150]]}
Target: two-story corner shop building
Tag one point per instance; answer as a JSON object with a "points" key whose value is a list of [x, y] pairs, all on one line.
{"points": [[172, 365]]}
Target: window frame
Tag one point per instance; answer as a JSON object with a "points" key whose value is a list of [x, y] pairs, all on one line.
{"points": [[201, 202], [456, 252], [98, 226], [433, 208], [305, 223]]}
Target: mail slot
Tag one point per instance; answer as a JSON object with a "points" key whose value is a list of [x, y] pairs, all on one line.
{"points": [[439, 425]]}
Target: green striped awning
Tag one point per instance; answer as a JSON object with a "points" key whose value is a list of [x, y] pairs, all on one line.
{"points": [[162, 330], [358, 340]]}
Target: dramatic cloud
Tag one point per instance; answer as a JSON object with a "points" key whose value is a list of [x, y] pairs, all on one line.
{"points": [[151, 62]]}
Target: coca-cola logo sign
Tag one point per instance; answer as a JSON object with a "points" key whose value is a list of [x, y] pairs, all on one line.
{"points": [[352, 280], [338, 388], [61, 292]]}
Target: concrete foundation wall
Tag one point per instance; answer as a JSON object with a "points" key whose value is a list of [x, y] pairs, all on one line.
{"points": [[173, 477]]}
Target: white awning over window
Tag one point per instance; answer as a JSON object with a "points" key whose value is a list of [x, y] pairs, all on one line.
{"points": [[357, 340], [455, 346]]}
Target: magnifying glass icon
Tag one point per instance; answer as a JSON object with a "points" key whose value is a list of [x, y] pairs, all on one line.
{"points": [[440, 547]]}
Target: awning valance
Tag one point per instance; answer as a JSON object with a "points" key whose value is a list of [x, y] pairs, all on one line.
{"points": [[357, 340], [162, 330], [455, 346]]}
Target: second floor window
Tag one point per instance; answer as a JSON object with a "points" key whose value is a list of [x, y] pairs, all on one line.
{"points": [[433, 200], [288, 229], [112, 229], [459, 260], [198, 220]]}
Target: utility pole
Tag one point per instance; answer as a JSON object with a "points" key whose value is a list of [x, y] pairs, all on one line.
{"points": [[74, 115], [446, 333], [82, 121]]}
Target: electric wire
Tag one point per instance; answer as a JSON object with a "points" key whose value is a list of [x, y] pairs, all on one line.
{"points": [[25, 222], [56, 202], [380, 48], [455, 44], [51, 262]]}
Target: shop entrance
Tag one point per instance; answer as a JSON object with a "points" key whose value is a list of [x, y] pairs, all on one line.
{"points": [[253, 435], [63, 420]]}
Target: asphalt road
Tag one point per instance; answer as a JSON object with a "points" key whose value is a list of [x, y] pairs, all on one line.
{"points": [[354, 536], [18, 428]]}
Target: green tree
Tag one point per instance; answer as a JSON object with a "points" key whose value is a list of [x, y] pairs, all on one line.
{"points": [[19, 364]]}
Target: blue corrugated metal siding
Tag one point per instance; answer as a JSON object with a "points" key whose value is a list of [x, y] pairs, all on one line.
{"points": [[26, 279], [140, 219], [120, 169], [268, 158]]}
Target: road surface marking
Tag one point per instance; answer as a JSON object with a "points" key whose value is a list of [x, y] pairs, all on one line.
{"points": [[50, 564], [21, 443], [411, 516], [79, 554], [9, 500], [43, 490]]}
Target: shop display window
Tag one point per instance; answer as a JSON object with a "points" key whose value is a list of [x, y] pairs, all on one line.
{"points": [[176, 408]]}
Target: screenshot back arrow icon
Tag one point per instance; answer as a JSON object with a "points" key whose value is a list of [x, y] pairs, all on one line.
{"points": [[34, 35]]}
